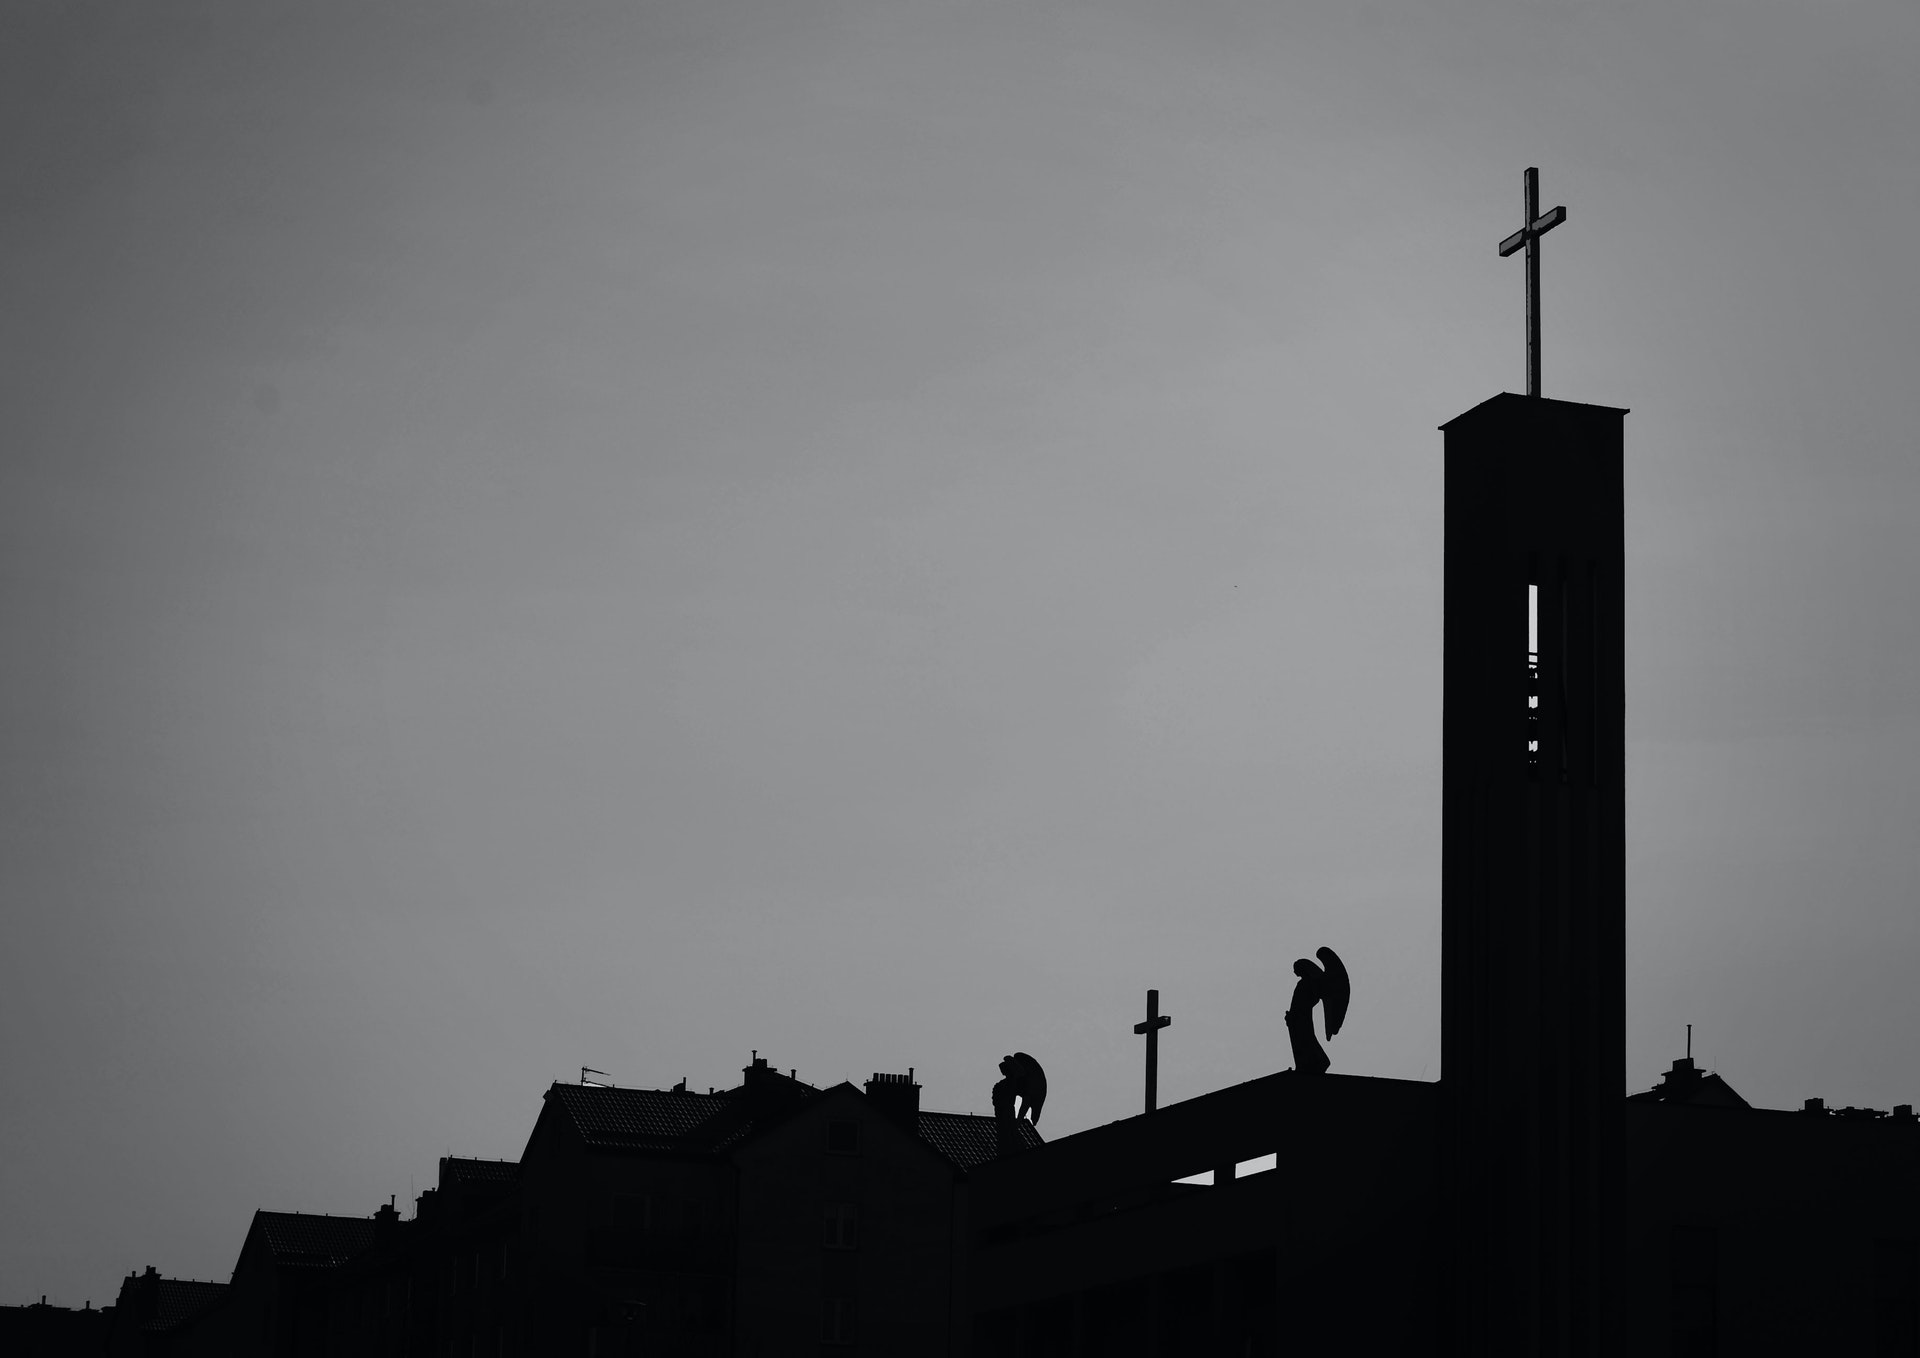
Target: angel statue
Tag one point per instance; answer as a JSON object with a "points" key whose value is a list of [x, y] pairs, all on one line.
{"points": [[1023, 1080], [1330, 989]]}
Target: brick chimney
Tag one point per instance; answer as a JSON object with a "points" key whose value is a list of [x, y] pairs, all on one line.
{"points": [[898, 1098]]}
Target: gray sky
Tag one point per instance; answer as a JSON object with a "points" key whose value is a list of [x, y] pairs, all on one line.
{"points": [[543, 535]]}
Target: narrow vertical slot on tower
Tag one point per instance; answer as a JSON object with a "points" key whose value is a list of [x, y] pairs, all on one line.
{"points": [[1593, 675], [1533, 678]]}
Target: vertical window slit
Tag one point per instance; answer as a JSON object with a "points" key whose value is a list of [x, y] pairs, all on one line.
{"points": [[1533, 677]]}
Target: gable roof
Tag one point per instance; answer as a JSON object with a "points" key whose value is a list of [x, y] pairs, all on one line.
{"points": [[611, 1118], [178, 1300], [309, 1240], [457, 1171], [149, 1302], [971, 1139]]}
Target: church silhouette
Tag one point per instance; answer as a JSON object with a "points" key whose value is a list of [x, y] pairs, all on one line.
{"points": [[1521, 1205]]}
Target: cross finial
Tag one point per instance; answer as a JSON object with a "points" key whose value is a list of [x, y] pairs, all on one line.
{"points": [[1151, 1030], [1535, 226]]}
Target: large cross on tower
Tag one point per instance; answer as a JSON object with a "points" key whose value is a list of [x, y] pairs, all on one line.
{"points": [[1151, 1029], [1529, 235]]}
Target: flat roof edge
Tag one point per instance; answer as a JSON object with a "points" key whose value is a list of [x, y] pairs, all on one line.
{"points": [[1502, 398]]}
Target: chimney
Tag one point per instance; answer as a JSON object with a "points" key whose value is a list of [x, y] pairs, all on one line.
{"points": [[1903, 1112], [384, 1222], [140, 1296], [1818, 1106], [1683, 1075], [767, 1090], [898, 1098]]}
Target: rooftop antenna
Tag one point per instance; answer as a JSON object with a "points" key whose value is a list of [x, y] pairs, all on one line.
{"points": [[1689, 1042], [589, 1070]]}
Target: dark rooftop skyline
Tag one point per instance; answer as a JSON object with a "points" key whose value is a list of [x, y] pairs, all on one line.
{"points": [[879, 533]]}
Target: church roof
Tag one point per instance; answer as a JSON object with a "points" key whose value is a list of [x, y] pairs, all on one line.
{"points": [[1511, 402], [311, 1240]]}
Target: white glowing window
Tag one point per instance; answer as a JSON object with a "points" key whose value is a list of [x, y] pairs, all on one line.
{"points": [[1533, 674]]}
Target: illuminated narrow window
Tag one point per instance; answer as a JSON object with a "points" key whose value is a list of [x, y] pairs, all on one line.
{"points": [[1533, 677]]}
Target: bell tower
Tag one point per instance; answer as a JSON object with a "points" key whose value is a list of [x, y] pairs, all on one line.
{"points": [[1532, 872]]}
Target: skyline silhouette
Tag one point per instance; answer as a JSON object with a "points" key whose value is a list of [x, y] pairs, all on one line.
{"points": [[886, 533]]}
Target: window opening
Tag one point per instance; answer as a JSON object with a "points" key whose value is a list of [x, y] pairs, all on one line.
{"points": [[836, 1320], [1533, 678], [841, 1226]]}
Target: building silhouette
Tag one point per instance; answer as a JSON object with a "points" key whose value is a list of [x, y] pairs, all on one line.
{"points": [[38, 1329], [1523, 1204], [641, 1221]]}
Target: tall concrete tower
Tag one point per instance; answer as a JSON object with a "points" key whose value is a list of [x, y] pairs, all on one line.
{"points": [[1532, 873]]}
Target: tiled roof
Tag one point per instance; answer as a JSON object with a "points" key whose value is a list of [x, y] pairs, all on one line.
{"points": [[645, 1119], [458, 1170], [176, 1300], [311, 1239], [608, 1118], [970, 1139]]}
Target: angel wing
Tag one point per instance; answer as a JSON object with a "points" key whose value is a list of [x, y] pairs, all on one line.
{"points": [[1033, 1085], [1339, 989]]}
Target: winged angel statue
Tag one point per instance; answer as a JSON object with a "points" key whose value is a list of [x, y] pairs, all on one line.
{"points": [[1328, 988], [1023, 1080]]}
